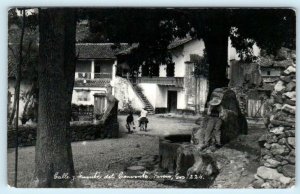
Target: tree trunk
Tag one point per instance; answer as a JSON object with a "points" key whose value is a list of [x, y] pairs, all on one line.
{"points": [[216, 45], [56, 80]]}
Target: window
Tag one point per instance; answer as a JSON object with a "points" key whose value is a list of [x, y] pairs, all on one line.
{"points": [[170, 70], [268, 72], [83, 95]]}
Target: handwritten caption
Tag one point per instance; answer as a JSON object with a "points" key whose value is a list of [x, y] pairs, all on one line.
{"points": [[122, 175]]}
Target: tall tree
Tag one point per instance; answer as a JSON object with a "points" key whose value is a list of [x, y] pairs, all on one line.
{"points": [[56, 72]]}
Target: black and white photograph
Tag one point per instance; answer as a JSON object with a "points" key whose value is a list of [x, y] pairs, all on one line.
{"points": [[151, 97]]}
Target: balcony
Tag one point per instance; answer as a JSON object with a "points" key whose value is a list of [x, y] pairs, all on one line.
{"points": [[163, 81], [90, 75]]}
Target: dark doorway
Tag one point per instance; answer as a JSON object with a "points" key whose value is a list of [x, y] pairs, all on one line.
{"points": [[172, 101]]}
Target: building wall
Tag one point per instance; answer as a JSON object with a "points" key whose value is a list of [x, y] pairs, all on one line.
{"points": [[150, 91], [162, 97], [180, 55], [162, 71], [77, 91], [125, 93], [181, 101]]}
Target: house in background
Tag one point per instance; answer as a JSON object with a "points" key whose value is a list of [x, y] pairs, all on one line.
{"points": [[173, 87], [95, 69]]}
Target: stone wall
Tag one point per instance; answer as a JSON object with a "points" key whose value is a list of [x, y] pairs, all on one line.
{"points": [[277, 168], [108, 126], [81, 131]]}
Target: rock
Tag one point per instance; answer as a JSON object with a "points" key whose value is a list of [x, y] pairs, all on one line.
{"points": [[282, 141], [290, 70], [285, 180], [279, 169], [224, 114], [258, 183], [290, 95], [277, 107], [286, 79], [288, 170], [277, 149], [289, 108], [282, 123], [277, 130], [262, 140], [267, 145], [291, 159], [279, 157], [275, 183], [290, 133], [291, 86], [289, 102], [266, 185], [271, 163], [291, 141], [268, 173], [284, 162], [280, 86]]}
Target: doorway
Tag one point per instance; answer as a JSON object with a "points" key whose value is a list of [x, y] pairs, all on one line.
{"points": [[172, 101]]}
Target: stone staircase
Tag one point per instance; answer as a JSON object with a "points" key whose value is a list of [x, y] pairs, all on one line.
{"points": [[148, 105]]}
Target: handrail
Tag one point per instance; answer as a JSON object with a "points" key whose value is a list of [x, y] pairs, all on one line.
{"points": [[88, 75], [176, 81]]}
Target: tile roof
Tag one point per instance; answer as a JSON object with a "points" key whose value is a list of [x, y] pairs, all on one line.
{"points": [[98, 50], [179, 42], [83, 50]]}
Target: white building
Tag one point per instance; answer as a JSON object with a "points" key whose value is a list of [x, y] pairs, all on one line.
{"points": [[95, 69], [174, 87]]}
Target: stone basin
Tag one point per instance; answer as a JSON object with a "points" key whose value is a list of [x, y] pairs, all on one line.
{"points": [[168, 146]]}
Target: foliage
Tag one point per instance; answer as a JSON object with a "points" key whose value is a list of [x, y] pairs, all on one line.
{"points": [[201, 65], [154, 29]]}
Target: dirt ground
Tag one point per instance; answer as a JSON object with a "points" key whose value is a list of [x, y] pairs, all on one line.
{"points": [[109, 156], [162, 125]]}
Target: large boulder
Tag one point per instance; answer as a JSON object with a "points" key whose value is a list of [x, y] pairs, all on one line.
{"points": [[223, 122]]}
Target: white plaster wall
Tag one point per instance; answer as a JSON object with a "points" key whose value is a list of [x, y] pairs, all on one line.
{"points": [[181, 101], [181, 55], [162, 97], [125, 93], [91, 92], [162, 71], [150, 91]]}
